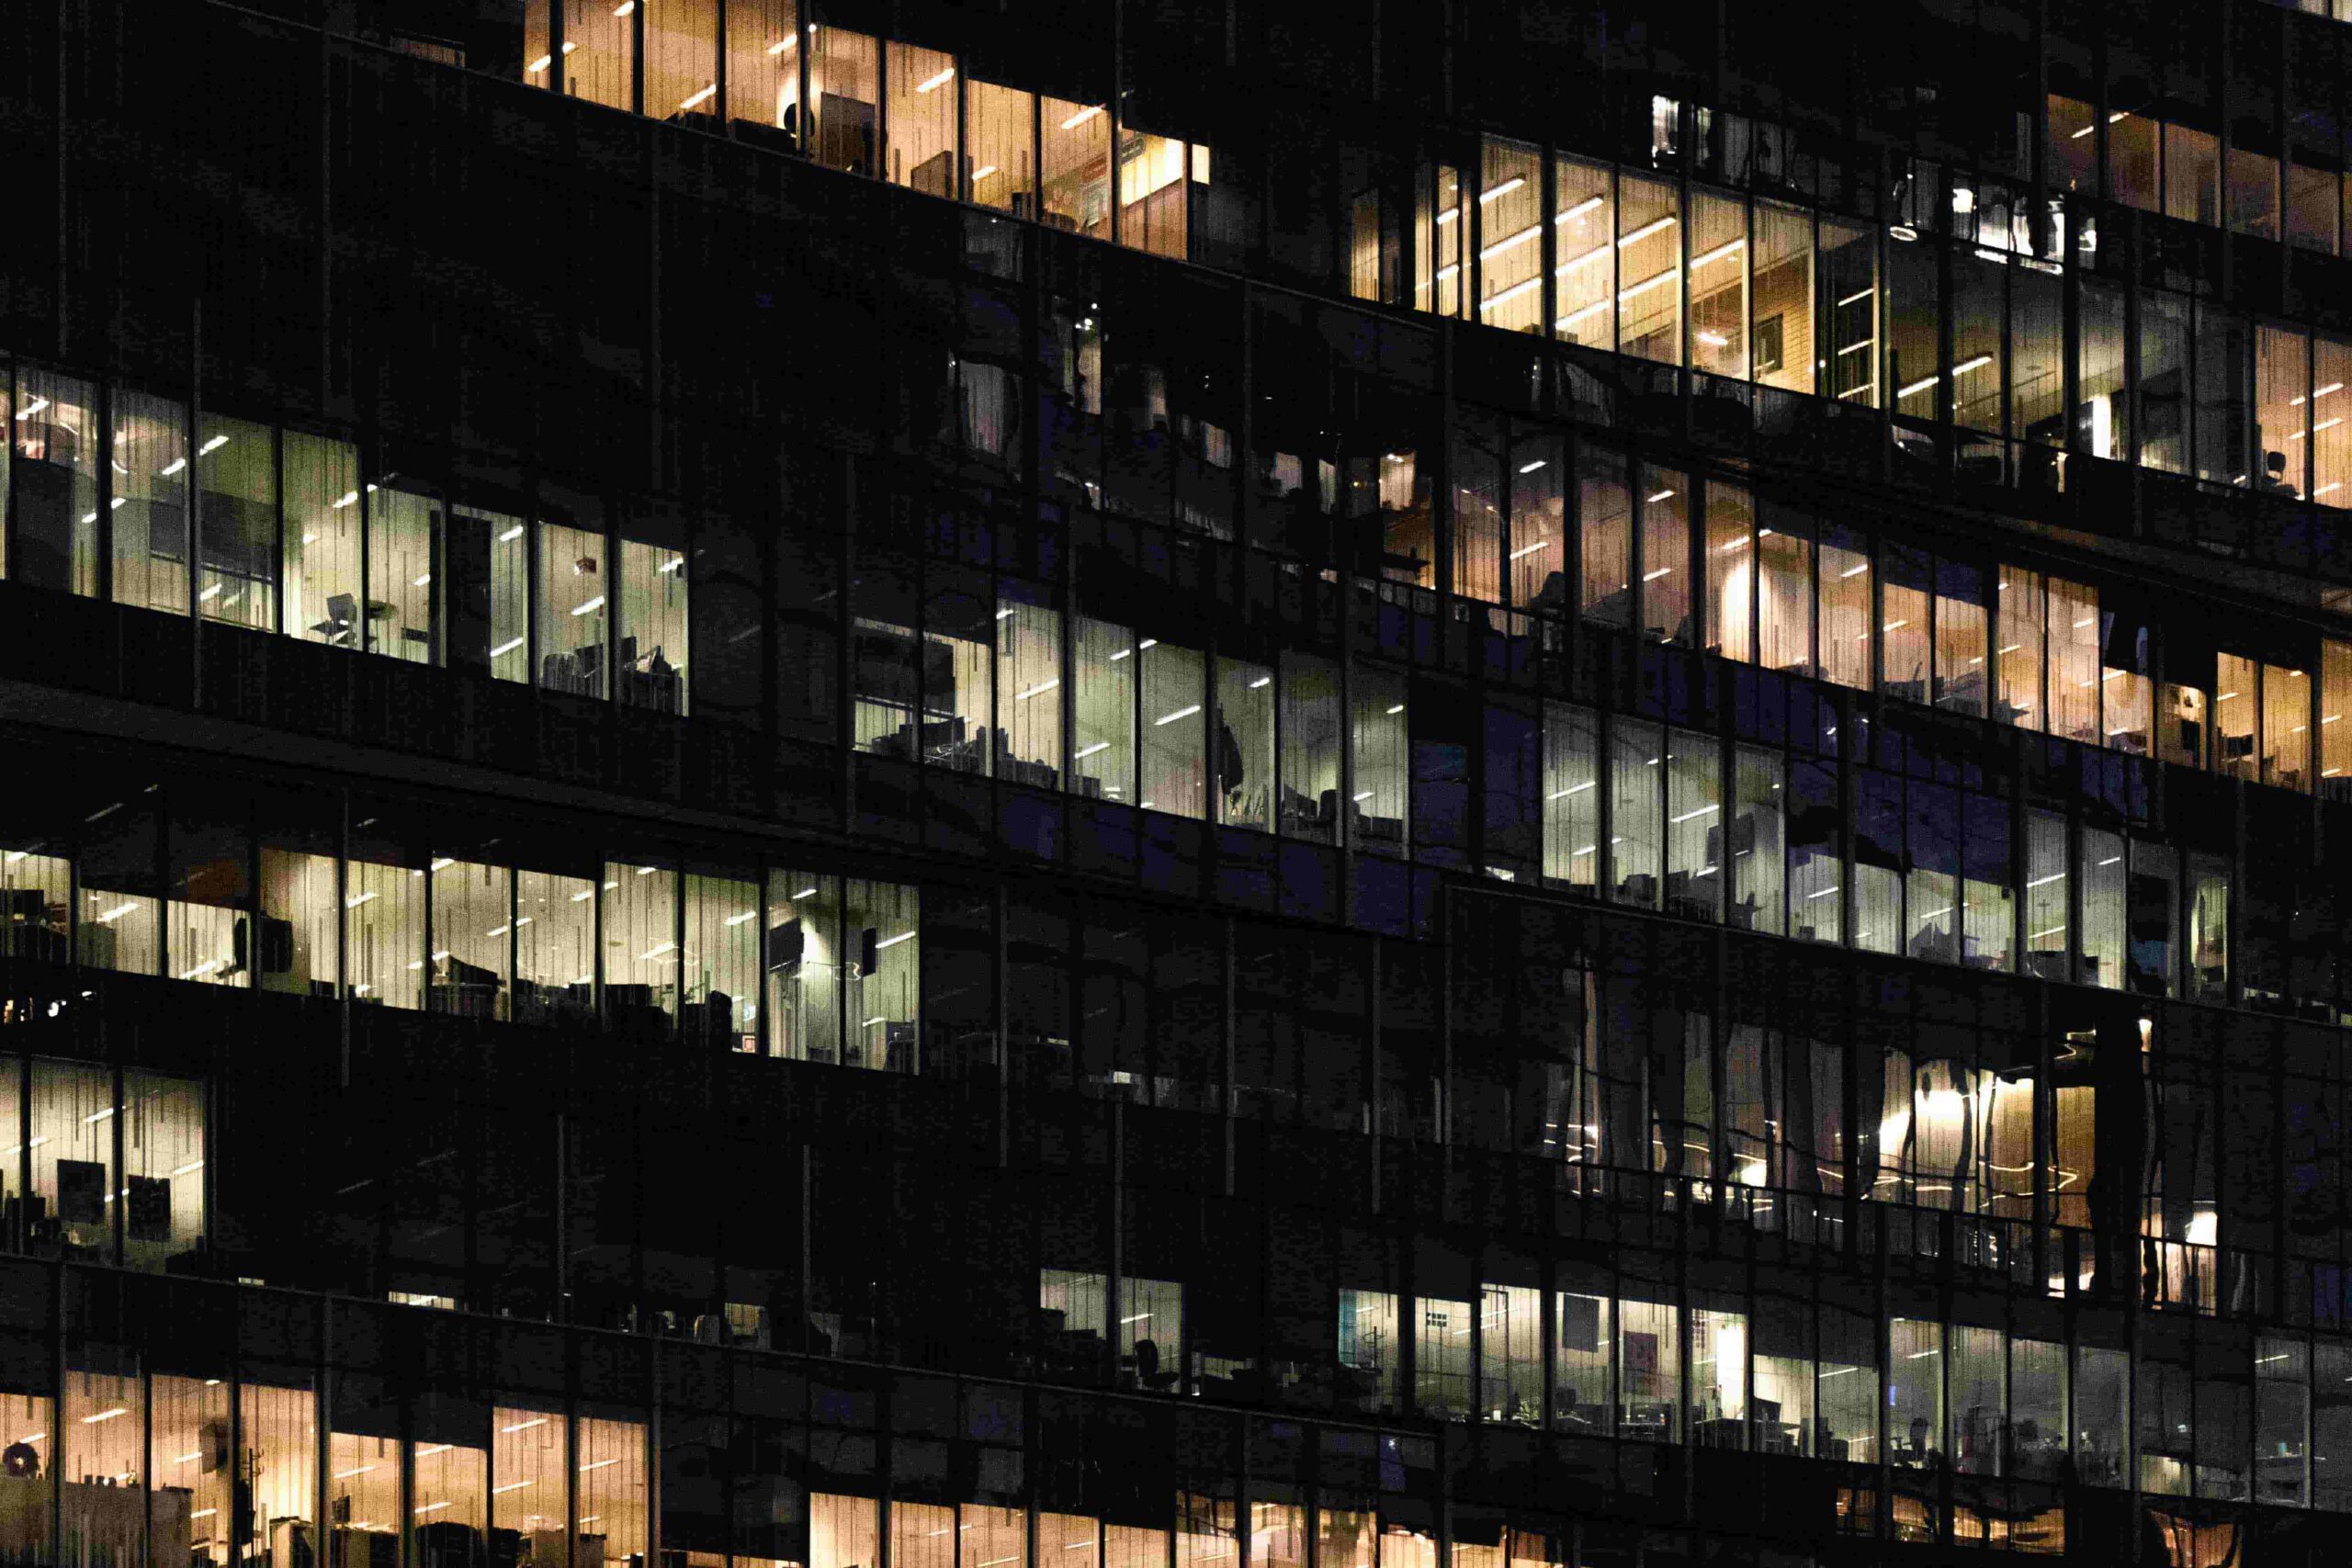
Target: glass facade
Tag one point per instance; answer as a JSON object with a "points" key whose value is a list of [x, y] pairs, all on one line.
{"points": [[1574, 785]]}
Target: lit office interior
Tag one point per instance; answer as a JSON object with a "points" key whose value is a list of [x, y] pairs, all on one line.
{"points": [[1770, 291], [1554, 526]]}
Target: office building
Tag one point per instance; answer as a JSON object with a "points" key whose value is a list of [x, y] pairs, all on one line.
{"points": [[885, 783]]}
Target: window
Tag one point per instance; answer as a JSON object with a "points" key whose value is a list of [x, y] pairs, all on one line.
{"points": [[1785, 296], [1845, 608], [73, 1164], [2286, 728], [1152, 1334], [1977, 373], [2074, 645], [1029, 690], [1310, 746], [1979, 1400], [2103, 419], [1902, 626], [1694, 826], [1719, 283], [1443, 226], [555, 945], [1379, 803], [236, 469], [472, 922], [805, 976], [763, 66], [1718, 1378], [1510, 1369], [2334, 730], [841, 91], [103, 1419], [1581, 1396], [1002, 122], [1988, 912], [922, 118], [2312, 203], [281, 1422], [1077, 166], [1174, 730], [149, 510], [1730, 563], [1785, 592], [1441, 1358], [2103, 889], [1649, 295], [1649, 1374], [574, 608], [1511, 231], [2073, 149], [485, 575], [2209, 929], [1071, 1337], [1666, 556], [882, 921], [2192, 174], [403, 605], [1637, 783], [1571, 796], [1605, 522], [1156, 177], [1104, 758], [641, 959], [1584, 240], [599, 52], [651, 663], [53, 484], [322, 540], [1915, 1394], [1757, 840], [2235, 706], [1816, 876], [1245, 744], [1847, 1386], [681, 59], [1367, 1351], [2046, 919], [722, 962], [1851, 303], [450, 1475]]}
